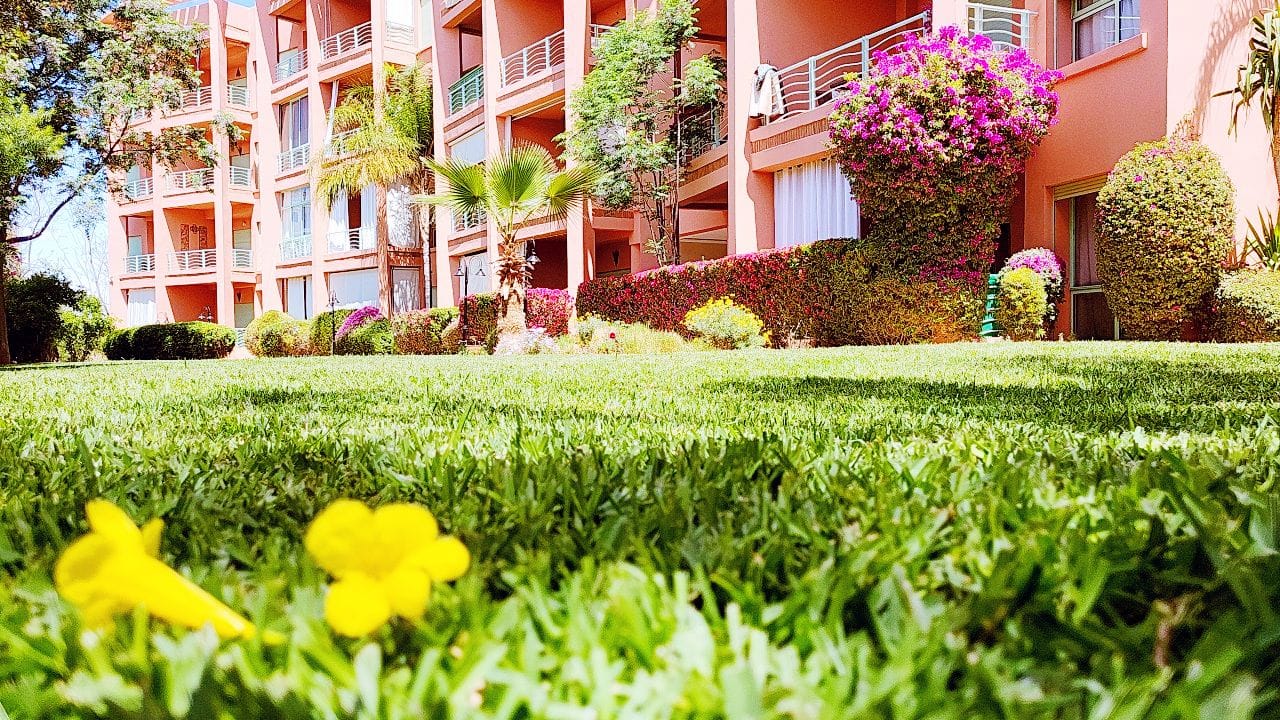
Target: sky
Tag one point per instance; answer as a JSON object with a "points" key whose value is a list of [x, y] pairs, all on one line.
{"points": [[62, 248]]}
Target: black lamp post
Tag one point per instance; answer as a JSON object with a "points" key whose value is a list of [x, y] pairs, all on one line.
{"points": [[333, 321], [464, 273]]}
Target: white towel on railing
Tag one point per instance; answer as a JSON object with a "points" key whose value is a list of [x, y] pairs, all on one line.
{"points": [[766, 93]]}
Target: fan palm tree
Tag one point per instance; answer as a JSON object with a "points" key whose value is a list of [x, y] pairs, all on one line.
{"points": [[386, 141], [516, 186], [1258, 79]]}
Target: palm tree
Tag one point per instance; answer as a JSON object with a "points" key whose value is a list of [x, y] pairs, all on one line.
{"points": [[512, 188], [1259, 79], [386, 140]]}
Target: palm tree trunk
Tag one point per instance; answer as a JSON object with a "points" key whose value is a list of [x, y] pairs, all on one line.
{"points": [[511, 290]]}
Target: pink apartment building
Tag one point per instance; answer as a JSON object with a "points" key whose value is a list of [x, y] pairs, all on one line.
{"points": [[230, 242]]}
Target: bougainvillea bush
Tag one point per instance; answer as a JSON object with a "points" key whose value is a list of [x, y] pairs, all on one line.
{"points": [[1045, 263], [549, 309], [366, 314], [933, 141], [1166, 219]]}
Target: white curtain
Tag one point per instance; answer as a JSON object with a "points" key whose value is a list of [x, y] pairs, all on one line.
{"points": [[142, 307], [405, 295], [400, 232], [298, 297], [355, 288], [338, 222], [368, 215], [812, 202]]}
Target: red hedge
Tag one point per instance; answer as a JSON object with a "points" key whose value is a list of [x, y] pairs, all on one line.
{"points": [[478, 318], [549, 309]]}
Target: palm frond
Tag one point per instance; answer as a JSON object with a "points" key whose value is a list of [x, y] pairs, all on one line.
{"points": [[569, 189], [466, 192]]}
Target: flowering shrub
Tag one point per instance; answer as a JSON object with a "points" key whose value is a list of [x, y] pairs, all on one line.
{"points": [[896, 311], [1020, 309], [1165, 223], [276, 334], [726, 326], [932, 143], [1247, 307], [478, 315], [420, 332], [323, 329], [550, 310], [372, 337], [1045, 263], [363, 315]]}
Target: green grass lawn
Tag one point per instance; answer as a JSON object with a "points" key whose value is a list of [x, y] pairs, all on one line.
{"points": [[1036, 530]]}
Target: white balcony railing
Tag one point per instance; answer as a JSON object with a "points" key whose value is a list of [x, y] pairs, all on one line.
{"points": [[191, 180], [349, 40], [467, 222], [241, 258], [187, 260], [451, 3], [294, 158], [339, 145], [240, 332], [195, 99], [356, 238], [291, 66], [539, 57], [240, 177], [814, 82], [140, 263], [1008, 28], [397, 33], [238, 95], [292, 248], [705, 131], [469, 89], [597, 34], [139, 189]]}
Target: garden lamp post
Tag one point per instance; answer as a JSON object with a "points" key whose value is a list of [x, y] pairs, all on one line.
{"points": [[333, 321]]}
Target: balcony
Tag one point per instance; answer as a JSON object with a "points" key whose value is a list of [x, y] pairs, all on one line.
{"points": [[188, 260], [238, 96], [240, 177], [400, 34], [291, 66], [293, 159], [1008, 28], [347, 41], [139, 189], [356, 238], [241, 259], [702, 133], [539, 57], [294, 248], [191, 180], [812, 83], [134, 264], [597, 35], [468, 90], [339, 145], [468, 222], [201, 97]]}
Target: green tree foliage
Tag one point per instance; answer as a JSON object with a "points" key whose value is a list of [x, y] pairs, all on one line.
{"points": [[35, 322], [84, 329], [630, 109]]}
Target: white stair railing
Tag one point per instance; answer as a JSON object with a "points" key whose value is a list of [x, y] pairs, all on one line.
{"points": [[291, 66], [187, 260], [715, 134], [294, 158], [140, 263], [195, 99], [191, 180], [238, 95], [241, 258], [1008, 28], [293, 248], [597, 34], [338, 144], [349, 40], [356, 238], [240, 177], [539, 57], [139, 189], [398, 33]]}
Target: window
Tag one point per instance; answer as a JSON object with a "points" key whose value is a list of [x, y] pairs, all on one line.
{"points": [[812, 202], [141, 307], [296, 212], [1099, 24], [470, 149], [1091, 319], [355, 288], [294, 124], [297, 297], [406, 289]]}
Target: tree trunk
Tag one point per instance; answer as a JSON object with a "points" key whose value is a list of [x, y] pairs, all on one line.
{"points": [[511, 290], [5, 249]]}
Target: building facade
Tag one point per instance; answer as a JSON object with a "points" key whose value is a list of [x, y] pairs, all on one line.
{"points": [[230, 242]]}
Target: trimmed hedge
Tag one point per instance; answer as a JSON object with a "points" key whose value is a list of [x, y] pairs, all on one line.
{"points": [[421, 332], [478, 318], [549, 309], [171, 341], [371, 337], [1022, 304], [276, 334], [323, 329], [1247, 307]]}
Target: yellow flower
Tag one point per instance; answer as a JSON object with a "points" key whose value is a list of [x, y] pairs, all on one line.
{"points": [[384, 561], [115, 568]]}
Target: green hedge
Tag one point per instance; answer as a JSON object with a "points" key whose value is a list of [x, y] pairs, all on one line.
{"points": [[171, 341], [370, 338], [323, 329], [422, 332], [1247, 307], [478, 317], [276, 334]]}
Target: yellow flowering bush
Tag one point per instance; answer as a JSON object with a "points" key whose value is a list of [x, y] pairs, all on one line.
{"points": [[115, 569], [725, 325], [384, 561]]}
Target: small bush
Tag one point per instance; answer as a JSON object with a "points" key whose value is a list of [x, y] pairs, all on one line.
{"points": [[276, 334], [420, 332], [595, 335], [84, 329], [550, 310], [1046, 264], [34, 320], [479, 319], [363, 315], [1021, 304], [172, 341], [1165, 223], [726, 326], [323, 329], [372, 337], [451, 338], [1247, 307], [892, 311]]}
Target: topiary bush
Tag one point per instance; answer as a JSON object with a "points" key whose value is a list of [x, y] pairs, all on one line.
{"points": [[1246, 307], [479, 319], [550, 310], [323, 329], [372, 337], [172, 341], [359, 317], [84, 330], [1045, 263], [1166, 218], [276, 334], [1021, 304], [726, 326], [421, 332]]}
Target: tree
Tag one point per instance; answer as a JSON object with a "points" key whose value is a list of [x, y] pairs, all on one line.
{"points": [[630, 110], [35, 320], [77, 72], [1258, 80], [512, 188], [387, 141]]}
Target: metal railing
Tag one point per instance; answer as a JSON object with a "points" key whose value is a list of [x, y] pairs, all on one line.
{"points": [[140, 263], [193, 260], [398, 33], [291, 66], [1008, 28], [241, 259], [240, 177], [194, 99], [464, 222], [294, 158], [238, 95], [292, 248], [240, 332], [338, 144], [539, 57], [138, 116], [356, 238], [451, 3], [597, 34], [139, 189], [703, 132], [349, 40], [191, 180], [469, 89], [814, 82]]}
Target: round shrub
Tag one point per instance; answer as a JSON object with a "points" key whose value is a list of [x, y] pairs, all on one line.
{"points": [[893, 311], [1247, 307], [420, 332], [1046, 264], [1165, 223], [172, 341], [725, 325], [362, 315], [323, 329], [550, 310], [84, 329], [1021, 304], [119, 344], [276, 334], [369, 338], [933, 142]]}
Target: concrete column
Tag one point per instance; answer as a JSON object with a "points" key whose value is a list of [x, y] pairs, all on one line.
{"points": [[317, 130], [496, 142], [950, 12], [579, 241], [443, 273], [163, 241], [750, 193]]}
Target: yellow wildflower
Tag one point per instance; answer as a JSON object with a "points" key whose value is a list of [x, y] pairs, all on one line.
{"points": [[115, 568], [384, 561]]}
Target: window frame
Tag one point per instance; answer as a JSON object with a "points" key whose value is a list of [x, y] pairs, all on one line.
{"points": [[1072, 287], [1094, 8]]}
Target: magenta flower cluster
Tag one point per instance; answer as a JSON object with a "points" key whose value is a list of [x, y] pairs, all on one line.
{"points": [[933, 141], [366, 314], [1044, 262]]}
